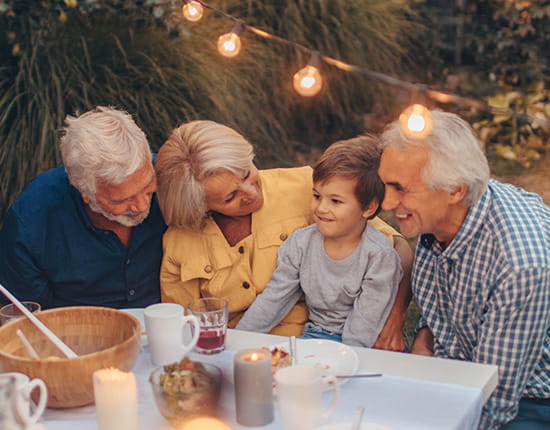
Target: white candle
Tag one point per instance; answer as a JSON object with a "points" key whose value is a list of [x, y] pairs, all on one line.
{"points": [[253, 387], [205, 423], [115, 395]]}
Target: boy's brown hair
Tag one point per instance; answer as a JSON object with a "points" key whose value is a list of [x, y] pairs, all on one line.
{"points": [[356, 158]]}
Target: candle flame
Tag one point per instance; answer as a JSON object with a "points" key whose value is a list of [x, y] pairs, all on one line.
{"points": [[255, 356]]}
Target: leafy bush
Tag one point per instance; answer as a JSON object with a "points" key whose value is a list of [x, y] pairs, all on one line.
{"points": [[514, 138], [63, 56], [497, 51], [510, 39]]}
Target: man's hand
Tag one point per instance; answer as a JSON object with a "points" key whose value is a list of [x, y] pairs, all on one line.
{"points": [[391, 337], [423, 342]]}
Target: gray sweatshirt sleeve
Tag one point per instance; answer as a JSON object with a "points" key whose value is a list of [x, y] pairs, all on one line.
{"points": [[372, 306], [281, 293]]}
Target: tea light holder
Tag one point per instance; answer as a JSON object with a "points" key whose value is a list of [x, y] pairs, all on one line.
{"points": [[253, 387], [115, 394]]}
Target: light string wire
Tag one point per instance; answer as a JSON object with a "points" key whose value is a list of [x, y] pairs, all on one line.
{"points": [[437, 95]]}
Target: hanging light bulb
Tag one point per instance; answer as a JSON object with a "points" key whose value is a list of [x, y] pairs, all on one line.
{"points": [[192, 10], [229, 44], [416, 121], [308, 81]]}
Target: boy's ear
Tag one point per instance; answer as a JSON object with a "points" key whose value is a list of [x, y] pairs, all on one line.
{"points": [[371, 209]]}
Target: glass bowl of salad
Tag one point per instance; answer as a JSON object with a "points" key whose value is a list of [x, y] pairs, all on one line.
{"points": [[186, 389]]}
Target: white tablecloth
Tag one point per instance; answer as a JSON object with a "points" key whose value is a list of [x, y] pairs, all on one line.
{"points": [[395, 402]]}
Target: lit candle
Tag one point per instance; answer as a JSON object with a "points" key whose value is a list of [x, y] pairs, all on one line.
{"points": [[205, 423], [115, 395], [253, 387]]}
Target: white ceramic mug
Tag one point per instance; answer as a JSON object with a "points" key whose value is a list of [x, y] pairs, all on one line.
{"points": [[166, 332], [18, 410], [299, 392]]}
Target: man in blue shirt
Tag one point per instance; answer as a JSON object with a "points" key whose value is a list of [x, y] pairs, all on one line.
{"points": [[481, 272], [89, 232]]}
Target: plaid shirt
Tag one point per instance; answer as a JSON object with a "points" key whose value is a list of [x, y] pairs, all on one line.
{"points": [[486, 297]]}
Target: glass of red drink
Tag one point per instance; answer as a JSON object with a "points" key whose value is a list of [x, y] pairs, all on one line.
{"points": [[212, 315]]}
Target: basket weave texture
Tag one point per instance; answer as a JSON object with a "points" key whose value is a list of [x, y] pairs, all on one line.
{"points": [[102, 338]]}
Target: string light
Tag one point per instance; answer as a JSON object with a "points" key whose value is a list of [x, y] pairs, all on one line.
{"points": [[192, 10], [229, 44], [416, 121], [308, 81]]}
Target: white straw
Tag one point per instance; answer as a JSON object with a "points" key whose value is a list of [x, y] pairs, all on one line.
{"points": [[58, 342], [27, 345], [293, 351]]}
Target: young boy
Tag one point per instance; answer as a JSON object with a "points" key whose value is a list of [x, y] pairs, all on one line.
{"points": [[348, 270]]}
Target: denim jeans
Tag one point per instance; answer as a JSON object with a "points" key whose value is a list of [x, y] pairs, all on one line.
{"points": [[313, 331], [533, 414]]}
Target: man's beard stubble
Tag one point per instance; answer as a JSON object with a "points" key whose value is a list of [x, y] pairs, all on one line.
{"points": [[127, 219]]}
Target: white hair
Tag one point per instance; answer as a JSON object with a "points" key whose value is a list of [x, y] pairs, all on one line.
{"points": [[103, 145], [456, 156]]}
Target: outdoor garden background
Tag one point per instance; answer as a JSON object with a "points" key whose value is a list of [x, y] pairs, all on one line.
{"points": [[60, 57]]}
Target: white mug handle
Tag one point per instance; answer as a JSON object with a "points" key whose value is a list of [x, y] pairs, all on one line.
{"points": [[335, 397], [23, 400], [196, 330]]}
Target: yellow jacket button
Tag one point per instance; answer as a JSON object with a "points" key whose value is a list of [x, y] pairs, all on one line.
{"points": [[246, 285], [208, 269], [283, 236]]}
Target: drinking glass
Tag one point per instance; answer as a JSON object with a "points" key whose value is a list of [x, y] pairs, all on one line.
{"points": [[10, 312], [212, 314]]}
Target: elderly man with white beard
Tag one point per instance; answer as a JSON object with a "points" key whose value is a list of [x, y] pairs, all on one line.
{"points": [[88, 232]]}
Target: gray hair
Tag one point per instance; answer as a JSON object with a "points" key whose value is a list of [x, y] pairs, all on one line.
{"points": [[456, 155], [102, 145], [194, 152]]}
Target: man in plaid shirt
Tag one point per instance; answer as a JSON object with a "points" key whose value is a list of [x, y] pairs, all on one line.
{"points": [[481, 274]]}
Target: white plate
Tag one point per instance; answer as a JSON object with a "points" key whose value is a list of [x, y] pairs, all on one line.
{"points": [[333, 358], [140, 316], [347, 425]]}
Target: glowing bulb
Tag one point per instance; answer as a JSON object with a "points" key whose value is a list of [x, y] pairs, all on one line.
{"points": [[416, 121], [308, 81], [192, 10], [229, 44]]}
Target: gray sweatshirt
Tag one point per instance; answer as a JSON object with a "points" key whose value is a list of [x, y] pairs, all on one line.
{"points": [[352, 297]]}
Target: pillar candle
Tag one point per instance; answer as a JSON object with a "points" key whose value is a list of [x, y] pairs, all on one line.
{"points": [[253, 387], [115, 394]]}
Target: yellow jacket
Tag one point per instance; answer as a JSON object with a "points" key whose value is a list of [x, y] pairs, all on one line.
{"points": [[202, 264]]}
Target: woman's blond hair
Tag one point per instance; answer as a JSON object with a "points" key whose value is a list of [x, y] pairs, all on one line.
{"points": [[194, 152]]}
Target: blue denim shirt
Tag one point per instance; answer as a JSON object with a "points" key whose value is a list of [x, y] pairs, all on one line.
{"points": [[51, 253]]}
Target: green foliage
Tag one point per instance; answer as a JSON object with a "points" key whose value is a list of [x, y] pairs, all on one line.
{"points": [[516, 139], [63, 56], [503, 47], [510, 39], [501, 40]]}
